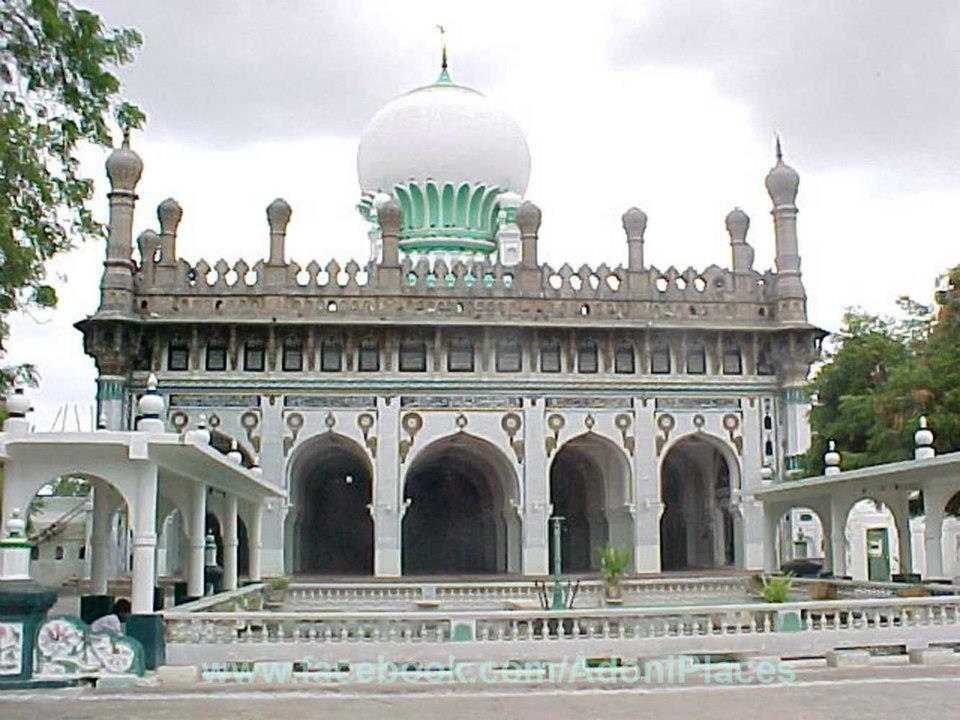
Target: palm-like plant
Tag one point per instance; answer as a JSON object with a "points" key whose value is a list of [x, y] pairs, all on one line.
{"points": [[614, 562], [776, 589]]}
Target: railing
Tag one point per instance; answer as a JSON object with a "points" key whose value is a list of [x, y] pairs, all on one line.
{"points": [[788, 629], [494, 594], [465, 279], [243, 598]]}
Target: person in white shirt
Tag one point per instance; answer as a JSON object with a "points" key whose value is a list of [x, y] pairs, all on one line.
{"points": [[114, 621]]}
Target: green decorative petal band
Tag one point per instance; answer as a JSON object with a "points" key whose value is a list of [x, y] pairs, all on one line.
{"points": [[796, 396], [448, 218], [109, 389]]}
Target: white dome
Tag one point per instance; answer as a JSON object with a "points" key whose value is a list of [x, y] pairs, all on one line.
{"points": [[445, 133]]}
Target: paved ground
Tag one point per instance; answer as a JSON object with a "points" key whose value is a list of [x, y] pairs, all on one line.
{"points": [[817, 694]]}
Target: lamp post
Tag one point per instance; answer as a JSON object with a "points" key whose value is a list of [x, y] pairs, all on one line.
{"points": [[557, 602]]}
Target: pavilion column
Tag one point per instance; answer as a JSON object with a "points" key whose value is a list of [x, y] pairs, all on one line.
{"points": [[933, 542], [838, 535], [144, 544], [230, 543], [900, 508], [100, 540], [197, 532], [825, 548], [255, 541], [935, 505]]}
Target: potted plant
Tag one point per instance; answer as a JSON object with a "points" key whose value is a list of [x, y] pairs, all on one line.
{"points": [[776, 589], [614, 562]]}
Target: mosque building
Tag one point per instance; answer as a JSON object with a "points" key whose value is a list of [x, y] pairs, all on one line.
{"points": [[427, 412]]}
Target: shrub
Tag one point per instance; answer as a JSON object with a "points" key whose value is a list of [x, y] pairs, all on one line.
{"points": [[614, 562], [776, 589]]}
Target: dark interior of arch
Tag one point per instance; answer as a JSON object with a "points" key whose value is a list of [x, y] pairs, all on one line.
{"points": [[454, 524], [696, 528], [577, 488], [334, 533]]}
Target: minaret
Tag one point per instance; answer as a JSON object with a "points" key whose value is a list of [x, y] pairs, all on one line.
{"points": [[278, 217], [528, 220], [782, 184], [169, 214], [124, 168], [738, 223]]}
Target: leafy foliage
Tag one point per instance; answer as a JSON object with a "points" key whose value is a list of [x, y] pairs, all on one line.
{"points": [[882, 375], [776, 589], [614, 562], [57, 90]]}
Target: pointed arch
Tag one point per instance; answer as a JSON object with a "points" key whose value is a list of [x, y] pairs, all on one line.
{"points": [[461, 492], [590, 480], [330, 482], [698, 528]]}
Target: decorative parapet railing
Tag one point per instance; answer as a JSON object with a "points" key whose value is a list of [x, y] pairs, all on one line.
{"points": [[472, 289], [790, 629], [714, 284], [498, 594], [247, 597]]}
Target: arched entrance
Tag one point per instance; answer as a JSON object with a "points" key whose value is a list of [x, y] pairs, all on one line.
{"points": [[588, 488], [460, 518], [329, 528], [697, 529], [871, 541]]}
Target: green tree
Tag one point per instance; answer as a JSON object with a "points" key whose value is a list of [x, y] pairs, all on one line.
{"points": [[882, 375], [57, 91]]}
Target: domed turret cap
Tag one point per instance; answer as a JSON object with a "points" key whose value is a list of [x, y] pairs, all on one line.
{"points": [[634, 223], [169, 213], [782, 181], [738, 222], [151, 403], [278, 215], [124, 167]]}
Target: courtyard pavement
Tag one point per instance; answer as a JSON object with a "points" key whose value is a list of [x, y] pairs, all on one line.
{"points": [[878, 693]]}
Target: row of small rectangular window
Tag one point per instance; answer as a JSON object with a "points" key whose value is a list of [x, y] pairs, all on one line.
{"points": [[58, 553], [460, 358]]}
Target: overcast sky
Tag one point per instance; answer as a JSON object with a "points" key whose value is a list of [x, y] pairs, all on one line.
{"points": [[671, 106]]}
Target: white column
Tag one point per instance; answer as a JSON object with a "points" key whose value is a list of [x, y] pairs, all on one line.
{"points": [[536, 507], [933, 542], [839, 509], [751, 510], [646, 535], [230, 543], [387, 506], [145, 542], [255, 542], [197, 532], [100, 542], [900, 508]]}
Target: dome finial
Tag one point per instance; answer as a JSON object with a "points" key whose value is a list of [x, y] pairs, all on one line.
{"points": [[444, 75], [779, 150]]}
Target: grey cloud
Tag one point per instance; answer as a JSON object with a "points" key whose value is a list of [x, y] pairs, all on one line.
{"points": [[863, 83], [224, 73]]}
